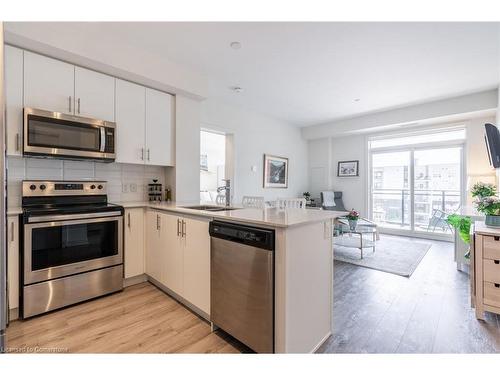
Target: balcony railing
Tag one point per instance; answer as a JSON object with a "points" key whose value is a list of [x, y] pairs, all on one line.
{"points": [[391, 207]]}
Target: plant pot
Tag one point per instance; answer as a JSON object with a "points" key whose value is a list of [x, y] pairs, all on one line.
{"points": [[492, 220], [353, 224]]}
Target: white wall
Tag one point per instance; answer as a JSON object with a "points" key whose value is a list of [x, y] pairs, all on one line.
{"points": [[408, 117], [324, 155], [122, 179], [255, 135], [354, 147], [186, 181]]}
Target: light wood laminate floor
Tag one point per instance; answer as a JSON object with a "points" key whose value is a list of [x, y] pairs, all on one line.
{"points": [[141, 319], [374, 312]]}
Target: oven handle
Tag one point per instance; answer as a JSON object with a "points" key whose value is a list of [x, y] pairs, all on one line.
{"points": [[39, 219]]}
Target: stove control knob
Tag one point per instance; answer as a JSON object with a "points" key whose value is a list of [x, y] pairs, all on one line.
{"points": [[43, 187], [100, 187], [92, 187], [32, 187]]}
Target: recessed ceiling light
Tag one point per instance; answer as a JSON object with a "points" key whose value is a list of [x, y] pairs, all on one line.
{"points": [[235, 45], [357, 99], [236, 89]]}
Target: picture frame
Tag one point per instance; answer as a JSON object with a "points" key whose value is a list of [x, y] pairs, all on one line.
{"points": [[348, 168], [275, 172]]}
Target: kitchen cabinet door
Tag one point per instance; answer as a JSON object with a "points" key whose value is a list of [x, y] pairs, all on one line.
{"points": [[134, 242], [155, 257], [48, 84], [171, 228], [196, 267], [13, 261], [159, 128], [130, 118], [14, 99], [94, 94]]}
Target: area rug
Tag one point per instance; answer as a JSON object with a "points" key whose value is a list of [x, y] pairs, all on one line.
{"points": [[397, 256]]}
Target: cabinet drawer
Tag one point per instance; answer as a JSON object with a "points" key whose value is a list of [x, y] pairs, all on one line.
{"points": [[491, 294], [491, 270], [491, 247]]}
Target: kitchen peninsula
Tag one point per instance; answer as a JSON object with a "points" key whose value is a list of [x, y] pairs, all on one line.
{"points": [[303, 263]]}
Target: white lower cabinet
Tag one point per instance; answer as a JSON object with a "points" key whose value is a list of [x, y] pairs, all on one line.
{"points": [[196, 267], [155, 252], [134, 242], [13, 261], [178, 256]]}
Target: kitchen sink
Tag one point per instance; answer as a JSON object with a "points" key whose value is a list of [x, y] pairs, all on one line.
{"points": [[210, 208]]}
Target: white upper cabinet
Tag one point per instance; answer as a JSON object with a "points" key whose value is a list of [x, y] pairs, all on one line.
{"points": [[130, 126], [48, 84], [94, 94], [14, 99], [159, 128]]}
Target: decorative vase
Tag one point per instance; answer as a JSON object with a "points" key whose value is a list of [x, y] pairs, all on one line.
{"points": [[353, 224], [492, 220]]}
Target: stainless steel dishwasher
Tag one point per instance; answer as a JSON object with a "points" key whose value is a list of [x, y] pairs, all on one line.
{"points": [[242, 283]]}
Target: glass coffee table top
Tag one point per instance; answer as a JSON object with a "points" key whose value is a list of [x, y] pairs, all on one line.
{"points": [[362, 237]]}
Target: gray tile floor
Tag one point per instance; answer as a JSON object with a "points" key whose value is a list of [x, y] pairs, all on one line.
{"points": [[378, 312]]}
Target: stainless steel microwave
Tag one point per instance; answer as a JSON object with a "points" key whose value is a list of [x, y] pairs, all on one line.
{"points": [[58, 135]]}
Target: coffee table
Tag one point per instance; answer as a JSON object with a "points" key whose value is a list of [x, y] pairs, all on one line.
{"points": [[361, 238]]}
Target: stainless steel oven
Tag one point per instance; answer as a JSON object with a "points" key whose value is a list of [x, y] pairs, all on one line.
{"points": [[53, 134], [67, 244], [72, 242]]}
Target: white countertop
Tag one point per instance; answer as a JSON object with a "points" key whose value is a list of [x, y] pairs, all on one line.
{"points": [[481, 228], [272, 217], [266, 216]]}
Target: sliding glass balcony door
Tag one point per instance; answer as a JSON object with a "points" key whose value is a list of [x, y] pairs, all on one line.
{"points": [[414, 188], [437, 187], [391, 189]]}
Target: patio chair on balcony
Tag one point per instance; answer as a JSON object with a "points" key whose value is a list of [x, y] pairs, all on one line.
{"points": [[439, 220]]}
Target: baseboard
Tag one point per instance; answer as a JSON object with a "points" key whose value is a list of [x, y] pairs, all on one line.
{"points": [[135, 280], [321, 343], [179, 299]]}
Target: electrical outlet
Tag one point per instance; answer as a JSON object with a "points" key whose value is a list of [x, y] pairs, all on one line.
{"points": [[133, 188], [124, 188]]}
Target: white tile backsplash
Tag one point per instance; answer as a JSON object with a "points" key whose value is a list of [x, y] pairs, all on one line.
{"points": [[121, 178]]}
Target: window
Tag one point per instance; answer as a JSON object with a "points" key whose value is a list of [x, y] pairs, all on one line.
{"points": [[414, 177], [212, 164]]}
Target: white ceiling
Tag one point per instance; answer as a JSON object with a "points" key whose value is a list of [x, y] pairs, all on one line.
{"points": [[310, 73]]}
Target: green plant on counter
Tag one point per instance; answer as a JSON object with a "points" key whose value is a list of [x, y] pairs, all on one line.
{"points": [[462, 225]]}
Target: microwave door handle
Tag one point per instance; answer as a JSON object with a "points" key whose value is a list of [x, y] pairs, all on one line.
{"points": [[103, 139]]}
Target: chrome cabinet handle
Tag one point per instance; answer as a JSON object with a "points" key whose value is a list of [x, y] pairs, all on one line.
{"points": [[69, 101], [12, 232], [157, 222], [178, 227], [18, 144], [142, 153], [149, 154], [128, 219], [78, 105], [183, 228]]}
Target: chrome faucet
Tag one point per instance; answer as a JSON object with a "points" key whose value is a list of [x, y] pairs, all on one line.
{"points": [[227, 189]]}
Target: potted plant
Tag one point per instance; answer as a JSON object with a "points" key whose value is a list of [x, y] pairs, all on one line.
{"points": [[352, 218], [487, 202], [307, 196], [462, 225]]}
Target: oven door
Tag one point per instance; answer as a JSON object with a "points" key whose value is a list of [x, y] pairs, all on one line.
{"points": [[55, 249], [59, 135]]}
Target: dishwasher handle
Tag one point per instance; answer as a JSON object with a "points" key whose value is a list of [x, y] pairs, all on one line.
{"points": [[251, 236]]}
